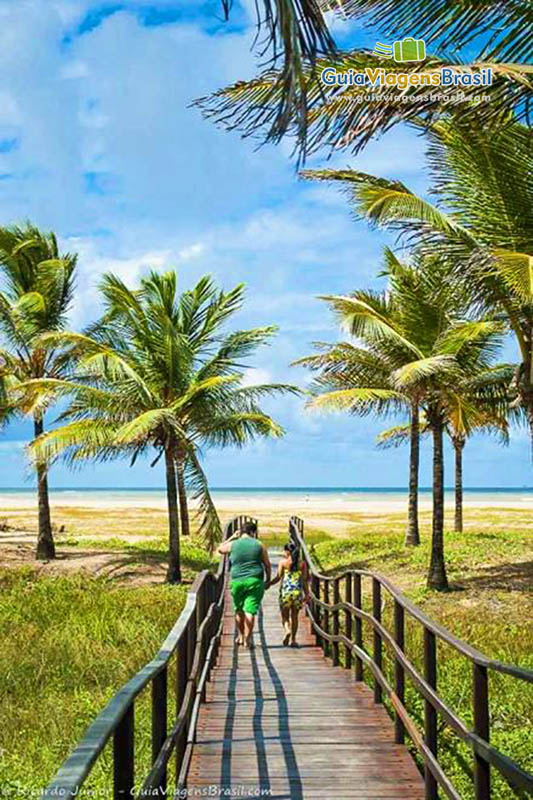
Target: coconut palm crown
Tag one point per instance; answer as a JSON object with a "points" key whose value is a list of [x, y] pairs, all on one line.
{"points": [[157, 372], [482, 222], [417, 341], [37, 282]]}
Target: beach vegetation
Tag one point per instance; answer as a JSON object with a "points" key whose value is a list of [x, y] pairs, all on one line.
{"points": [[491, 417], [347, 113], [158, 372], [418, 345], [68, 643], [489, 606], [481, 224], [37, 289]]}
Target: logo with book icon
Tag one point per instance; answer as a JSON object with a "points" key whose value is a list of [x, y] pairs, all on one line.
{"points": [[408, 49]]}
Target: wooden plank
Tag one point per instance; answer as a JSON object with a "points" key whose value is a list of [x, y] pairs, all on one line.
{"points": [[285, 720]]}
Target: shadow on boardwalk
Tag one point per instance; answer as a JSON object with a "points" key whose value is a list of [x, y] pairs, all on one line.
{"points": [[282, 723]]}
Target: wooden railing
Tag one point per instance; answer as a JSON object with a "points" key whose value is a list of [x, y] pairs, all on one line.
{"points": [[325, 609], [195, 640]]}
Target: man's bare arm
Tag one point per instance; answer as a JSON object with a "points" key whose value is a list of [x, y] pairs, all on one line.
{"points": [[225, 547], [278, 576], [267, 565]]}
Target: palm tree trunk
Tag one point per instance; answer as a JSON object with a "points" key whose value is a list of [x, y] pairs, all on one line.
{"points": [[437, 568], [458, 444], [412, 536], [174, 567], [182, 492], [45, 538]]}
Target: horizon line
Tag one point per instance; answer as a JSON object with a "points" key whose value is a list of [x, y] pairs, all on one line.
{"points": [[267, 488]]}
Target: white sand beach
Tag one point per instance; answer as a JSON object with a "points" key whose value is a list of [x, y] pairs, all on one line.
{"points": [[255, 500]]}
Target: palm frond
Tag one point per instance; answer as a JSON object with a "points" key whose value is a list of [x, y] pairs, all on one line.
{"points": [[339, 116], [440, 367], [452, 22], [210, 526], [399, 435], [365, 322], [517, 272], [358, 401]]}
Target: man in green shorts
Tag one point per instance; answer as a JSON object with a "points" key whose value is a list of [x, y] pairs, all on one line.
{"points": [[250, 573]]}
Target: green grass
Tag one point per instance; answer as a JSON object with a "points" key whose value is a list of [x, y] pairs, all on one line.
{"points": [[68, 644], [312, 536], [192, 553], [490, 570]]}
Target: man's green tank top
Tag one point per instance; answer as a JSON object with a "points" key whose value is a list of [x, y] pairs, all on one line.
{"points": [[246, 558]]}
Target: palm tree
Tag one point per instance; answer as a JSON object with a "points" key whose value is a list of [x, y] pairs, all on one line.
{"points": [[483, 225], [476, 405], [365, 373], [434, 346], [38, 283], [156, 371]]}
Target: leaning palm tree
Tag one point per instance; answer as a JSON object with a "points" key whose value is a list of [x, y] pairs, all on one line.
{"points": [[156, 372], [435, 346], [37, 289]]}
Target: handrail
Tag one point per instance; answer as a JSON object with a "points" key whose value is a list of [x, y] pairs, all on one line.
{"points": [[195, 639], [324, 616]]}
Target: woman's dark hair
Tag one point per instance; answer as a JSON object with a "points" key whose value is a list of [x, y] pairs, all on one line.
{"points": [[250, 528], [294, 551]]}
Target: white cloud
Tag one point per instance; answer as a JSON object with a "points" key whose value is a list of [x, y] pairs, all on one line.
{"points": [[112, 156], [256, 376], [190, 252]]}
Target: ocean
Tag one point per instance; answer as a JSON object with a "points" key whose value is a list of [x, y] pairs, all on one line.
{"points": [[372, 498]]}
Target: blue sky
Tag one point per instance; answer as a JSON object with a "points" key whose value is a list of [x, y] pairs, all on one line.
{"points": [[98, 142]]}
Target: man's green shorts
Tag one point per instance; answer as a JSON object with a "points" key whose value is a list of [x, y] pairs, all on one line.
{"points": [[247, 594]]}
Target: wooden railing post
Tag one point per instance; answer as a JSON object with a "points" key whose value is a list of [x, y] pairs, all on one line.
{"points": [[159, 718], [181, 670], [430, 674], [182, 674], [326, 648], [123, 756], [335, 627], [348, 622], [378, 643], [357, 601], [399, 674], [191, 643], [482, 729], [315, 608]]}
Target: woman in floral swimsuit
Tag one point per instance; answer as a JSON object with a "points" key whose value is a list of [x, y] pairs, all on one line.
{"points": [[293, 579]]}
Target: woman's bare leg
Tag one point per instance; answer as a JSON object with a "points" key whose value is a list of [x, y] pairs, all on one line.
{"points": [[239, 622], [294, 623], [285, 619]]}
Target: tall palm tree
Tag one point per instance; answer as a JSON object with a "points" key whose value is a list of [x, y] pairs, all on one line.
{"points": [[433, 346], [483, 223], [37, 290], [476, 405], [366, 373], [157, 372]]}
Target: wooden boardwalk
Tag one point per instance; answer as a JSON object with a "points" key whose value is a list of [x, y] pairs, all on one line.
{"points": [[282, 723]]}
